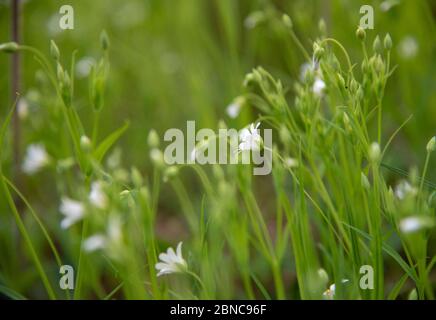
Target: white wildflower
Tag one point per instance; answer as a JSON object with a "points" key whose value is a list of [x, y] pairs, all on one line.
{"points": [[250, 138], [254, 19], [408, 47], [329, 294], [172, 262], [234, 108], [304, 69], [318, 87], [23, 108], [291, 163], [413, 224], [97, 197], [388, 4], [83, 67], [404, 189], [35, 159], [110, 241], [95, 242], [73, 211]]}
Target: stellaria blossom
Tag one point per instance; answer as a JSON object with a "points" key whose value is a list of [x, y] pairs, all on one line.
{"points": [[35, 159], [329, 294], [250, 138], [73, 211], [97, 197], [171, 262]]}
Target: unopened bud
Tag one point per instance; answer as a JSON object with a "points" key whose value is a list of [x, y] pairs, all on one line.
{"points": [[104, 40], [387, 42], [377, 45], [54, 50], [9, 47], [153, 139], [360, 33], [374, 152], [85, 143], [431, 145], [287, 21]]}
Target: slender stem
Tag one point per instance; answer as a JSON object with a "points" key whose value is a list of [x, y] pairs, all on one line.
{"points": [[15, 81]]}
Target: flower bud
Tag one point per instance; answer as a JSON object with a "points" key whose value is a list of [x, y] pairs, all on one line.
{"points": [[323, 276], [157, 157], [364, 181], [374, 152], [85, 143], [153, 139], [170, 173], [387, 42], [60, 72], [9, 47], [104, 40], [136, 177], [54, 50], [360, 33], [322, 27], [318, 51], [377, 46], [249, 78], [431, 145], [287, 21], [413, 295]]}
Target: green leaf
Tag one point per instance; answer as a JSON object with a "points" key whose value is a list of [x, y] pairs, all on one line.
{"points": [[397, 288], [107, 143], [390, 251], [10, 293]]}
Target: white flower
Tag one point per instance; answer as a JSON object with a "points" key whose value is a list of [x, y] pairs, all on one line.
{"points": [[97, 197], [408, 47], [35, 159], [23, 108], [250, 138], [329, 294], [404, 189], [111, 240], [388, 4], [413, 224], [304, 69], [318, 87], [72, 210], [94, 243], [291, 163], [234, 108], [172, 262], [254, 19], [83, 66]]}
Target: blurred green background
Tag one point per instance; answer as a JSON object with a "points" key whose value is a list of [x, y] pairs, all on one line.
{"points": [[173, 61]]}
